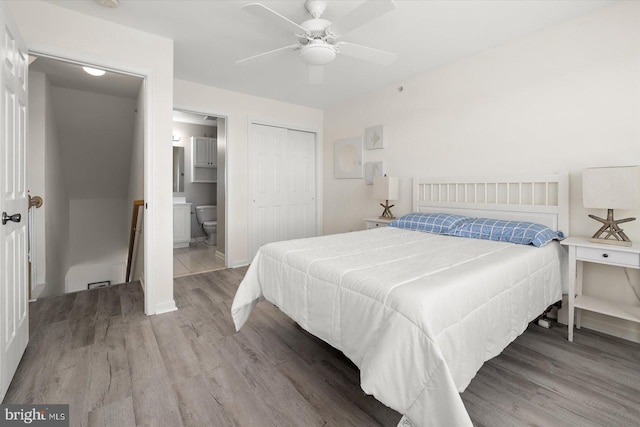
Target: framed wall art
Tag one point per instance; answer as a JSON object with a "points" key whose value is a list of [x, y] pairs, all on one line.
{"points": [[347, 162], [375, 137]]}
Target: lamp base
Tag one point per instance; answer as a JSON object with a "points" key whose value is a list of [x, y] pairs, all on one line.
{"points": [[386, 214], [613, 235]]}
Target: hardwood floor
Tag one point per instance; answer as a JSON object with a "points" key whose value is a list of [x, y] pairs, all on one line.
{"points": [[98, 352]]}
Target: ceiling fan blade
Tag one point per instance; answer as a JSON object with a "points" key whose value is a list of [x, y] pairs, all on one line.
{"points": [[271, 15], [365, 53], [316, 74], [367, 11], [281, 49]]}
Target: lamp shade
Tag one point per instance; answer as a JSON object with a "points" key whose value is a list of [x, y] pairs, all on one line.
{"points": [[611, 188], [386, 188]]}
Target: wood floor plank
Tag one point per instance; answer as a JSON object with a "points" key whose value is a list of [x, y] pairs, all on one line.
{"points": [[242, 405], [328, 404], [272, 387], [132, 301], [31, 379], [69, 382], [119, 413], [179, 359], [82, 318], [61, 306], [198, 403], [109, 377]]}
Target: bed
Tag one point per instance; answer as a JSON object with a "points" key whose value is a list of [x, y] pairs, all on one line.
{"points": [[420, 313]]}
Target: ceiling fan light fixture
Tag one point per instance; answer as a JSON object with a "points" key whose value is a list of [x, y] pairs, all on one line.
{"points": [[109, 3], [318, 52], [94, 71]]}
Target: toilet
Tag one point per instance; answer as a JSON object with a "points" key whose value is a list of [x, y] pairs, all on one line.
{"points": [[207, 216]]}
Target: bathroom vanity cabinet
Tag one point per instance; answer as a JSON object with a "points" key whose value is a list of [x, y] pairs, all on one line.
{"points": [[181, 225]]}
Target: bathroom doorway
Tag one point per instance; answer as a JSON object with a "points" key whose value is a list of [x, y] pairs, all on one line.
{"points": [[199, 201]]}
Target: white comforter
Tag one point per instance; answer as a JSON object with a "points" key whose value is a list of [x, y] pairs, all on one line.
{"points": [[418, 313]]}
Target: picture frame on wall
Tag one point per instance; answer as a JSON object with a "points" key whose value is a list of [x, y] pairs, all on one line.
{"points": [[374, 137], [371, 170], [347, 161]]}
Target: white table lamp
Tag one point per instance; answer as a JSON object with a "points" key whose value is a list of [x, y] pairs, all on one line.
{"points": [[611, 188], [386, 188]]}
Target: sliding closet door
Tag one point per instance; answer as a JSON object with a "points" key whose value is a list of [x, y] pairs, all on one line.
{"points": [[302, 184], [281, 185]]}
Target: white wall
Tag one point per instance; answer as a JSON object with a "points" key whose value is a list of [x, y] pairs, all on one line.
{"points": [[196, 193], [240, 109], [562, 99], [98, 231], [96, 133], [57, 198], [36, 151], [51, 29], [97, 242]]}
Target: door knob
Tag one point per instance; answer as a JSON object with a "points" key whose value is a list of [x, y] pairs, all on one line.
{"points": [[6, 218]]}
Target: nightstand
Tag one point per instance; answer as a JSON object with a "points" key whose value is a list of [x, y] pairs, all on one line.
{"points": [[582, 250], [376, 222]]}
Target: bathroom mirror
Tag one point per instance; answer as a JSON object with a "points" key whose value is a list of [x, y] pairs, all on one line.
{"points": [[178, 169]]}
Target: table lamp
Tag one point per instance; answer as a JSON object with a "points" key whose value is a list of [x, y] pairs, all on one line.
{"points": [[386, 188], [611, 188]]}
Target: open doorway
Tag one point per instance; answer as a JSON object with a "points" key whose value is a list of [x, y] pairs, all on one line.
{"points": [[85, 159], [199, 178]]}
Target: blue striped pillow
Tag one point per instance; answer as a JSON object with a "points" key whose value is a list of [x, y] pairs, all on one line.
{"points": [[436, 223], [523, 233]]}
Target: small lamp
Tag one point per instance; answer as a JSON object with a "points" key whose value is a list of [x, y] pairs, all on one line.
{"points": [[611, 188], [386, 188]]}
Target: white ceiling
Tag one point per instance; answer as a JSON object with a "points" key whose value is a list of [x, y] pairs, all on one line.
{"points": [[211, 35], [72, 76]]}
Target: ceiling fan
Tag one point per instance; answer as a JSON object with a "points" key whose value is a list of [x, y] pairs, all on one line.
{"points": [[318, 39]]}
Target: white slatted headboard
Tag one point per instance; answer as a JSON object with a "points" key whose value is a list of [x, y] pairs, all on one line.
{"points": [[536, 198]]}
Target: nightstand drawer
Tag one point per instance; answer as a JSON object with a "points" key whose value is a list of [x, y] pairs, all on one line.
{"points": [[608, 256], [374, 224]]}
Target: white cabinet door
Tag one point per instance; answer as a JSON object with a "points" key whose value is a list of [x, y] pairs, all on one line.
{"points": [[201, 152], [181, 225], [205, 152], [282, 189], [14, 314], [213, 152]]}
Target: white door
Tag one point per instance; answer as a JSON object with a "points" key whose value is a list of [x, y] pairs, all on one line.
{"points": [[267, 172], [14, 314], [302, 184], [282, 185]]}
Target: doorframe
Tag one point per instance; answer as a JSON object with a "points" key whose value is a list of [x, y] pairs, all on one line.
{"points": [[256, 120], [84, 58], [227, 117]]}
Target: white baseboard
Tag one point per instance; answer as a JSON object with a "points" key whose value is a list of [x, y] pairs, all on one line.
{"points": [[220, 256], [166, 307], [241, 263]]}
